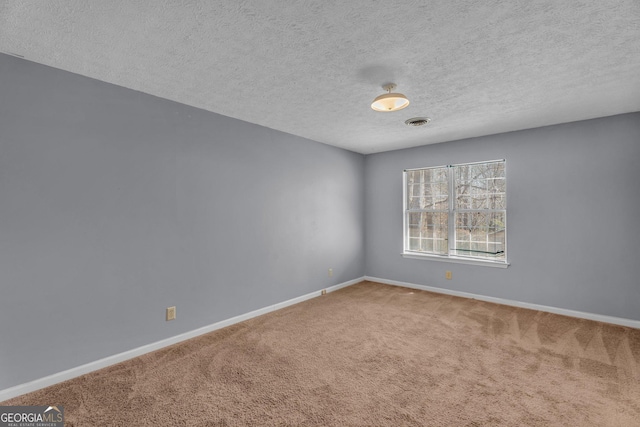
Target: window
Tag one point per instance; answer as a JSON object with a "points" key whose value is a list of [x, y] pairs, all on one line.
{"points": [[457, 212]]}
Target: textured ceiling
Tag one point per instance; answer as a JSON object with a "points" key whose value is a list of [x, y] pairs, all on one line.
{"points": [[312, 68]]}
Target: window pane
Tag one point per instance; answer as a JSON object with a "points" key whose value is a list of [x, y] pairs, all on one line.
{"points": [[480, 234], [427, 189], [480, 186], [427, 232]]}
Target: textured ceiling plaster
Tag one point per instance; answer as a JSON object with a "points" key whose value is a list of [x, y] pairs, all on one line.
{"points": [[312, 68]]}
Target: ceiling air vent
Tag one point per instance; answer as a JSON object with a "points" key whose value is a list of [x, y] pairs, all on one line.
{"points": [[417, 121]]}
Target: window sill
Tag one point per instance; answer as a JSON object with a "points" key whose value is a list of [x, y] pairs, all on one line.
{"points": [[487, 263]]}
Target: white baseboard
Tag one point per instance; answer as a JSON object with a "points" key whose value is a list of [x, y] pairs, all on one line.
{"points": [[59, 377], [572, 313]]}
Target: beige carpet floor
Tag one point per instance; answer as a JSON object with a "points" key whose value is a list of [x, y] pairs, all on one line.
{"points": [[373, 355]]}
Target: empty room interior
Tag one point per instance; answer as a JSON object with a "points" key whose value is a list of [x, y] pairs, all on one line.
{"points": [[355, 213]]}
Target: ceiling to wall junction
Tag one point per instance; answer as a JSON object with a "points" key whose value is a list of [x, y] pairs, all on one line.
{"points": [[312, 68]]}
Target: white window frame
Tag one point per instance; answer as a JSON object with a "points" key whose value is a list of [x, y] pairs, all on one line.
{"points": [[451, 229]]}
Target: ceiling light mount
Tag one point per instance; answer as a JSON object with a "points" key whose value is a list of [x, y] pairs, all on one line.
{"points": [[389, 101], [389, 87]]}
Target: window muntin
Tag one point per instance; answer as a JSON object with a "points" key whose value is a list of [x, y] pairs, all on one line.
{"points": [[457, 211]]}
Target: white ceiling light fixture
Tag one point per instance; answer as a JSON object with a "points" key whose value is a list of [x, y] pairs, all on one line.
{"points": [[389, 101]]}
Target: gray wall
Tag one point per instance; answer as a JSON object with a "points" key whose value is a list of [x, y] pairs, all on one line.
{"points": [[115, 205], [573, 210]]}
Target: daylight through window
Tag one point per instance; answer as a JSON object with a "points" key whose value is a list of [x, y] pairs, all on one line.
{"points": [[457, 211]]}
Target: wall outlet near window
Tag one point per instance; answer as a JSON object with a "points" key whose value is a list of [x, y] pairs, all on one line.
{"points": [[447, 275], [171, 313], [331, 272]]}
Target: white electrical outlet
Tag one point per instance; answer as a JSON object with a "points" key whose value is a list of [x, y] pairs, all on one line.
{"points": [[331, 272], [171, 313]]}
